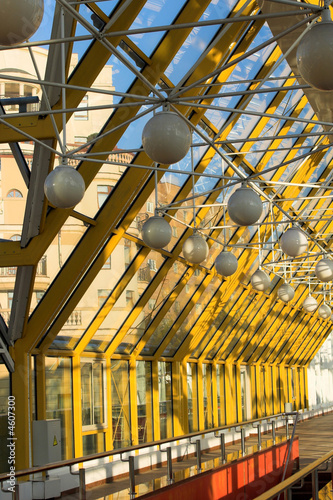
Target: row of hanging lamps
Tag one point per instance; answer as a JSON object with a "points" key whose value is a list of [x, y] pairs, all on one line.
{"points": [[314, 55], [293, 242], [20, 20], [260, 280], [310, 304], [324, 270], [324, 311], [195, 248], [166, 138], [156, 232], [244, 206], [286, 292], [64, 187], [226, 263]]}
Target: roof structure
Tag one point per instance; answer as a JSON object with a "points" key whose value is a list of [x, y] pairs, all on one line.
{"points": [[228, 68]]}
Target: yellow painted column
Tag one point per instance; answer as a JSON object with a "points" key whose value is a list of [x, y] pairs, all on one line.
{"points": [[230, 394], [156, 402], [306, 388], [268, 390], [176, 398], [201, 411], [108, 433], [21, 379], [297, 388], [133, 403], [183, 418], [40, 387], [275, 390], [214, 397], [223, 417], [195, 397], [68, 417], [238, 392], [253, 391], [284, 396], [77, 407]]}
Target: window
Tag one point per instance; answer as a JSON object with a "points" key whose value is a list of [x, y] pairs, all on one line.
{"points": [[127, 252], [103, 192], [16, 237], [151, 304], [150, 207], [92, 383], [10, 296], [39, 295], [107, 263], [175, 267], [80, 139], [14, 193], [82, 115], [152, 264], [129, 298], [174, 231], [103, 295]]}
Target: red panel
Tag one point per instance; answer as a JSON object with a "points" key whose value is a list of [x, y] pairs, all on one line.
{"points": [[244, 479]]}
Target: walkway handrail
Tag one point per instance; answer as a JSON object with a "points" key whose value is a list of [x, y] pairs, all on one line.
{"points": [[74, 461], [295, 478]]}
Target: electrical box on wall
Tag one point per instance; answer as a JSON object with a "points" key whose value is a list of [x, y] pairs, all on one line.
{"points": [[46, 441]]}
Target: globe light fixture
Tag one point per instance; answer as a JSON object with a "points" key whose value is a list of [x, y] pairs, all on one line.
{"points": [[324, 311], [156, 232], [286, 292], [293, 242], [20, 20], [310, 304], [260, 281], [324, 270], [64, 187], [226, 263], [314, 56], [244, 206], [195, 249], [166, 138]]}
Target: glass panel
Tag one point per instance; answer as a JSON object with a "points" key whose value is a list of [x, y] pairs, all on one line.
{"points": [[208, 393], [58, 383], [192, 399], [4, 393], [165, 398], [220, 394], [120, 397], [93, 443], [92, 393], [144, 401]]}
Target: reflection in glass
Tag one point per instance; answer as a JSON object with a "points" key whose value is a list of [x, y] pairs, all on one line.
{"points": [[58, 382], [144, 401], [120, 398], [165, 398], [92, 388]]}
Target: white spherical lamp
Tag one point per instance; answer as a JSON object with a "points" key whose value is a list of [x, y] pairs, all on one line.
{"points": [[244, 206], [166, 138], [20, 20], [324, 311], [195, 249], [314, 56], [286, 292], [324, 270], [156, 232], [64, 187], [293, 242], [226, 263], [310, 304], [260, 281]]}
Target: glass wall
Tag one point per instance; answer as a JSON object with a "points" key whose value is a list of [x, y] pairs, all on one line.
{"points": [[120, 399], [144, 401], [58, 381], [165, 398]]}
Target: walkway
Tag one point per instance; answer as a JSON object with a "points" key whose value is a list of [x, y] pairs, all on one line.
{"points": [[315, 439]]}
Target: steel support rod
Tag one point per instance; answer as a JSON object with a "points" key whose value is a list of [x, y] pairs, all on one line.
{"points": [[273, 432], [131, 476], [222, 445], [82, 483], [259, 436], [243, 442], [169, 466], [198, 453], [314, 480]]}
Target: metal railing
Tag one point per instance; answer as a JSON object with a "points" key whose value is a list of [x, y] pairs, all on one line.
{"points": [[217, 431], [284, 489]]}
